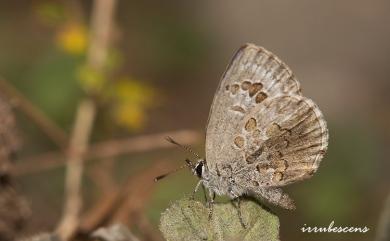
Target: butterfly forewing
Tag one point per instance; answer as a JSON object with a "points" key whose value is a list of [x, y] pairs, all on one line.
{"points": [[253, 75]]}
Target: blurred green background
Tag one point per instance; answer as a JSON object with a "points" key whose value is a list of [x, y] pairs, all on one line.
{"points": [[163, 67]]}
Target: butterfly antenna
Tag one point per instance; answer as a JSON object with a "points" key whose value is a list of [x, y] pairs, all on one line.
{"points": [[188, 163], [186, 148]]}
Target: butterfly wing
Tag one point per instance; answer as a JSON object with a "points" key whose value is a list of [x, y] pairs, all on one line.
{"points": [[285, 139], [253, 76]]}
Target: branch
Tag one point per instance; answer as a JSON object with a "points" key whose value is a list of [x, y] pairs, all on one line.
{"points": [[101, 23], [121, 202], [383, 229], [78, 146], [102, 18], [108, 149], [50, 128], [116, 232]]}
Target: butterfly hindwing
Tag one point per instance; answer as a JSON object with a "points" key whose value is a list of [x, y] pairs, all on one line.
{"points": [[284, 140]]}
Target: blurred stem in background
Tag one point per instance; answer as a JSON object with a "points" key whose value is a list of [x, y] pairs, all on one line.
{"points": [[101, 22], [383, 229], [50, 128], [108, 149]]}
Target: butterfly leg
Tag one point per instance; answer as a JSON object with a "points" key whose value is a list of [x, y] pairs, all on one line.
{"points": [[192, 197], [204, 193], [237, 203], [211, 204], [277, 197]]}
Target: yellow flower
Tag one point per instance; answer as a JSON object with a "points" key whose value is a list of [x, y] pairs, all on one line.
{"points": [[73, 38], [91, 80], [128, 90], [130, 116], [132, 99]]}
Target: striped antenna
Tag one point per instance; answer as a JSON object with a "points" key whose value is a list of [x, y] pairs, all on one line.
{"points": [[186, 148], [188, 163]]}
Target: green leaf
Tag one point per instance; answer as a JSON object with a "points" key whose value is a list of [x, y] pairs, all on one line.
{"points": [[188, 220]]}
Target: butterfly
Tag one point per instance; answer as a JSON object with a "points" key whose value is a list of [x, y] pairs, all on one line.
{"points": [[262, 133]]}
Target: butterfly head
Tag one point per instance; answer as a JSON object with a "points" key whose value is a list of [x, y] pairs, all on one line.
{"points": [[199, 168]]}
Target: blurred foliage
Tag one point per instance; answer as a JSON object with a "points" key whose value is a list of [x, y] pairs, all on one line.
{"points": [[72, 38], [131, 98], [128, 98], [56, 94], [90, 79], [179, 46], [50, 13]]}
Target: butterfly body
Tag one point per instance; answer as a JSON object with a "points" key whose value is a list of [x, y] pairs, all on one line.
{"points": [[221, 183]]}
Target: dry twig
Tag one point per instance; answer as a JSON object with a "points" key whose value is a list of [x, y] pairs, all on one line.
{"points": [[14, 209], [102, 18], [109, 149], [124, 202], [383, 229], [50, 128], [78, 146]]}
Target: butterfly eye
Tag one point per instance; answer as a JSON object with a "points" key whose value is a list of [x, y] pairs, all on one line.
{"points": [[199, 169]]}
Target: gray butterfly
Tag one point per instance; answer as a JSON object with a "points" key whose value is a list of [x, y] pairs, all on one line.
{"points": [[262, 134]]}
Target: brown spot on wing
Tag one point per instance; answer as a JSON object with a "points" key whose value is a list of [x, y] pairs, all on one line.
{"points": [[238, 109], [251, 124], [234, 88], [262, 167], [279, 165], [254, 88], [239, 141], [246, 85], [260, 97]]}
